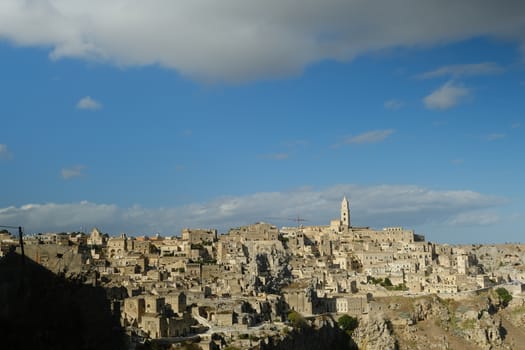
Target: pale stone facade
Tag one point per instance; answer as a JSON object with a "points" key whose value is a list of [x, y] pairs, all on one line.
{"points": [[195, 236], [258, 272]]}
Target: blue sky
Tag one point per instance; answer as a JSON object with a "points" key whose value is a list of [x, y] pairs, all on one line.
{"points": [[149, 117]]}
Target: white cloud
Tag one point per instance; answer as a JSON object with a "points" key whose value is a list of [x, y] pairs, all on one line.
{"points": [[458, 70], [447, 96], [516, 125], [393, 104], [88, 103], [59, 217], [375, 206], [69, 173], [475, 218], [239, 40], [495, 136], [373, 136], [4, 152]]}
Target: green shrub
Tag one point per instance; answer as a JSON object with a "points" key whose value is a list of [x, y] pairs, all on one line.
{"points": [[348, 323], [504, 295], [296, 319], [387, 283]]}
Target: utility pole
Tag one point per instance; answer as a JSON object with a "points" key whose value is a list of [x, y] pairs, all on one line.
{"points": [[21, 239]]}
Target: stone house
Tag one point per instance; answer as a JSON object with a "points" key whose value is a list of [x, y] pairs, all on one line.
{"points": [[195, 236]]}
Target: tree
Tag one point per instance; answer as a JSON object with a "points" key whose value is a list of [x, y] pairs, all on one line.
{"points": [[387, 283], [348, 323], [296, 319], [504, 295]]}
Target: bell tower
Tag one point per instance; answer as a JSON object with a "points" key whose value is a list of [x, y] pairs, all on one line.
{"points": [[345, 213]]}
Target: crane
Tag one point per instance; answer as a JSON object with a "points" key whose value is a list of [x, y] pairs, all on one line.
{"points": [[297, 219]]}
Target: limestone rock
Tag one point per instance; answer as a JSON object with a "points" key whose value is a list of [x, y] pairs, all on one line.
{"points": [[374, 333]]}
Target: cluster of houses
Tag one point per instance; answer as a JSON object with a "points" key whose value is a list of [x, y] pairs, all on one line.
{"points": [[176, 286]]}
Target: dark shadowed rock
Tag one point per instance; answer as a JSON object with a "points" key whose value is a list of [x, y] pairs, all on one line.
{"points": [[40, 310]]}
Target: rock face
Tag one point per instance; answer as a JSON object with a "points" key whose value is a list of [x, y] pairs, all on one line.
{"points": [[40, 310], [430, 308], [268, 271], [475, 322], [478, 324], [423, 323], [375, 333], [321, 334], [483, 330]]}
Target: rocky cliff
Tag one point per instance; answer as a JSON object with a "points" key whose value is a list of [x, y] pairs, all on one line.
{"points": [[476, 322], [323, 333], [40, 310], [375, 332]]}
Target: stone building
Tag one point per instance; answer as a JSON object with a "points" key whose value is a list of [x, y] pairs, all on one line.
{"points": [[176, 301], [134, 309], [223, 318], [352, 305], [193, 270], [256, 232], [118, 246], [149, 313], [304, 301], [195, 236], [96, 238], [345, 214]]}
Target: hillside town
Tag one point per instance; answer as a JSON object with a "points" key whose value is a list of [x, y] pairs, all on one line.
{"points": [[244, 284]]}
